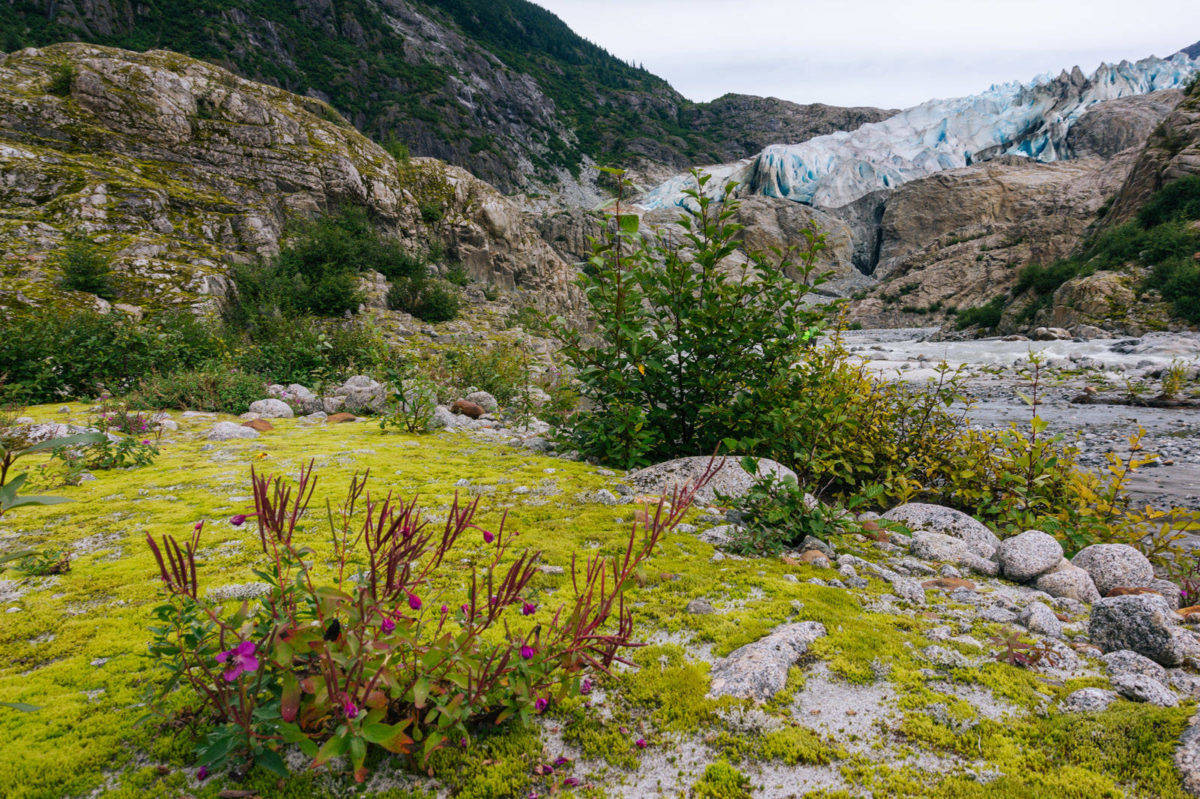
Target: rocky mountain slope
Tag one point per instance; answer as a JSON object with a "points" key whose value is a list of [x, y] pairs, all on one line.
{"points": [[177, 167], [500, 87]]}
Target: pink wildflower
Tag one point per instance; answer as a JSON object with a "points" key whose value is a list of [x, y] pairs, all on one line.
{"points": [[414, 601], [241, 658]]}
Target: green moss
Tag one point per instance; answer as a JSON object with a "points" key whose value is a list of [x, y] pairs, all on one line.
{"points": [[722, 781]]}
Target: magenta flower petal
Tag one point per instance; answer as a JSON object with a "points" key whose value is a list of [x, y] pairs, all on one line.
{"points": [[541, 703], [526, 652], [232, 674], [238, 520], [528, 609], [488, 536], [414, 601], [387, 625]]}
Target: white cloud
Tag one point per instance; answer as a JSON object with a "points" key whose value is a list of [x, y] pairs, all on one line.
{"points": [[873, 52]]}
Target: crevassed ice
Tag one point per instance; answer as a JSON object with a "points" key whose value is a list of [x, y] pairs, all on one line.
{"points": [[1030, 119]]}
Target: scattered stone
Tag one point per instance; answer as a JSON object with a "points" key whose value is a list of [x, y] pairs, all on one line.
{"points": [[483, 400], [944, 658], [816, 558], [759, 670], [261, 425], [272, 409], [1069, 581], [1187, 756], [731, 480], [998, 614], [227, 431], [947, 521], [811, 542], [1023, 557], [948, 570], [1051, 334], [339, 418], [360, 394], [719, 535], [1143, 623], [948, 584], [700, 607], [168, 425], [243, 591], [1113, 565], [939, 547], [1126, 661], [1089, 700], [1168, 590], [1040, 619], [314, 417], [466, 408], [1140, 688]]}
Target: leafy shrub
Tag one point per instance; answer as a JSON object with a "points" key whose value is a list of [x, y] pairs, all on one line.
{"points": [[85, 268], [14, 445], [686, 345], [777, 514], [317, 272], [439, 302], [1178, 200], [215, 388], [126, 452], [457, 275], [397, 150], [412, 410], [62, 78], [721, 781], [39, 353], [306, 350], [361, 655], [500, 369], [985, 316]]}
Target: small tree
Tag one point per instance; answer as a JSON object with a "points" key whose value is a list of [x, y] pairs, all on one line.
{"points": [[85, 267], [688, 337]]}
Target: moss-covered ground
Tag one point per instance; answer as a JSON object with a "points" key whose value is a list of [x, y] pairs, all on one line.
{"points": [[72, 645]]}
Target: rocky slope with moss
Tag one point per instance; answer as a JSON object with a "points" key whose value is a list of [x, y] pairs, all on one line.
{"points": [[504, 89], [869, 669], [176, 168]]}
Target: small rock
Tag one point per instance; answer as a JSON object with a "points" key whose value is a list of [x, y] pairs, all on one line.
{"points": [[1089, 700], [340, 418], [261, 425], [816, 558], [939, 547], [1143, 623], [272, 409], [1140, 688], [1069, 581], [227, 431], [730, 480], [1025, 556], [1126, 661], [359, 394], [700, 607], [759, 670], [466, 408], [1113, 565], [1168, 590], [811, 542], [484, 400], [947, 521], [1038, 618], [718, 536], [948, 584]]}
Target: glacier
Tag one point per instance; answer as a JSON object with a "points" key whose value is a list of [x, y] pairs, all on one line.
{"points": [[1028, 119]]}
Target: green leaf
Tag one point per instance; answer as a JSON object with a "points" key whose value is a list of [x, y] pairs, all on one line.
{"points": [[294, 735], [272, 762], [629, 223], [21, 706], [421, 692], [65, 441]]}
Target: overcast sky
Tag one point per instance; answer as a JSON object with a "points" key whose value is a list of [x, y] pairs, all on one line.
{"points": [[889, 53]]}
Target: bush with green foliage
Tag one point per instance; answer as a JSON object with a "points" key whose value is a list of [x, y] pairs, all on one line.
{"points": [[1161, 238], [85, 267], [690, 347], [214, 388], [985, 316]]}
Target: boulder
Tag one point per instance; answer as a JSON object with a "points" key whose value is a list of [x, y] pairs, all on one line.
{"points": [[340, 418], [1069, 581], [1114, 565], [1140, 688], [1040, 619], [1168, 591], [1051, 334], [1028, 555], [937, 546], [1089, 700], [272, 409], [227, 431], [759, 670], [947, 521], [360, 394], [1126, 661], [467, 408], [1143, 623], [483, 400], [731, 480]]}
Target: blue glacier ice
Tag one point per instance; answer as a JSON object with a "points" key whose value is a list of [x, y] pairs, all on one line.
{"points": [[1029, 119]]}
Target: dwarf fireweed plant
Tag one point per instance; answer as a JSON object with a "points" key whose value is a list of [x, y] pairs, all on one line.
{"points": [[370, 652]]}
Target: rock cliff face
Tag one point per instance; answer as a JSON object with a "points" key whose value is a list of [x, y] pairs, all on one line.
{"points": [[1172, 152], [1116, 125], [960, 237], [177, 167]]}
